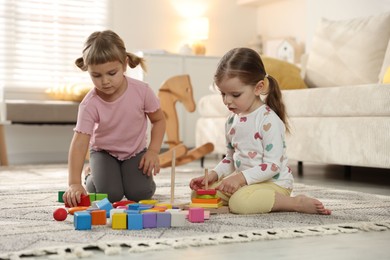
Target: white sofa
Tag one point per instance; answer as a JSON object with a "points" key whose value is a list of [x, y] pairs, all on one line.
{"points": [[343, 117]]}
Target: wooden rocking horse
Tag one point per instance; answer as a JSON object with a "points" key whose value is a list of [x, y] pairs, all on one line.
{"points": [[178, 88]]}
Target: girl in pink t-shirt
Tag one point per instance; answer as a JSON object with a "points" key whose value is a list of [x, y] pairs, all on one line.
{"points": [[112, 123]]}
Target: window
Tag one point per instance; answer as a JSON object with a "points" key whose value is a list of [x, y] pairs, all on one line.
{"points": [[40, 39]]}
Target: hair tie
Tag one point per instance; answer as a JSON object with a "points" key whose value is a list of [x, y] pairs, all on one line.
{"points": [[266, 76]]}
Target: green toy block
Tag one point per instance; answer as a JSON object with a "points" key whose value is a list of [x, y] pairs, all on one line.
{"points": [[100, 196], [92, 196], [60, 193]]}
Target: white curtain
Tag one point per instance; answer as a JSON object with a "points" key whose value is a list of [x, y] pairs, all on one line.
{"points": [[40, 39]]}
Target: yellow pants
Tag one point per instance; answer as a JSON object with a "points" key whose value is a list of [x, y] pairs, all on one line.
{"points": [[252, 199]]}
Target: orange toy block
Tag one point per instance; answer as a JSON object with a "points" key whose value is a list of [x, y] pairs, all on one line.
{"points": [[75, 209], [98, 217], [206, 192], [210, 201]]}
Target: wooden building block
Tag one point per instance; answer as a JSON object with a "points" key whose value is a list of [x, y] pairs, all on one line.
{"points": [[82, 220], [149, 219], [119, 221], [178, 218], [196, 215], [134, 221], [106, 205], [210, 201], [206, 192], [163, 220], [98, 217]]}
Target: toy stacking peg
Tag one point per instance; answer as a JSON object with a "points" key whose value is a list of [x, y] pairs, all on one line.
{"points": [[206, 177], [173, 176]]}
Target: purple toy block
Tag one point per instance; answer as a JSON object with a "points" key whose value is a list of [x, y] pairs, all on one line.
{"points": [[82, 220], [106, 205], [163, 219], [149, 219], [196, 215], [134, 221]]}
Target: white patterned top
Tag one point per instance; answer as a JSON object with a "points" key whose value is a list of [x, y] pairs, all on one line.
{"points": [[256, 147]]}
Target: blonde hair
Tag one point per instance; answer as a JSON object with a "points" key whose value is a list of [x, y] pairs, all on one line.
{"points": [[107, 46], [246, 64]]}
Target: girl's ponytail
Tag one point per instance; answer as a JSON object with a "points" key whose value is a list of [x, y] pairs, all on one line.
{"points": [[275, 102], [134, 61]]}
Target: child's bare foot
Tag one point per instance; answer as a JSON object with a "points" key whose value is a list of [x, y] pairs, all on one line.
{"points": [[310, 205]]}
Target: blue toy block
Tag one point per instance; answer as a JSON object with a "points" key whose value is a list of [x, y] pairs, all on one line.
{"points": [[82, 220], [149, 219], [132, 211], [134, 206], [163, 219], [106, 205], [135, 221], [145, 206]]}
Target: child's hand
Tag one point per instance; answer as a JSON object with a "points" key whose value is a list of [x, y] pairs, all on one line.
{"points": [[232, 183], [150, 163], [200, 182], [73, 195]]}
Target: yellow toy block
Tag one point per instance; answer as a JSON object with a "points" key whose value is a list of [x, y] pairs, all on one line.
{"points": [[150, 210], [119, 221], [206, 205], [149, 202]]}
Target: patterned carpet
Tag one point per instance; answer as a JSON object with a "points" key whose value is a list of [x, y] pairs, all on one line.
{"points": [[28, 197]]}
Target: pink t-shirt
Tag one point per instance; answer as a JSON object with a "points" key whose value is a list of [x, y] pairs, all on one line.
{"points": [[118, 127]]}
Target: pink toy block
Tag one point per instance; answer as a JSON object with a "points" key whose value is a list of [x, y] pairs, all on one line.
{"points": [[196, 215]]}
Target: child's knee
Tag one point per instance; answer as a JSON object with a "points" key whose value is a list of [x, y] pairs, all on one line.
{"points": [[141, 193], [251, 202]]}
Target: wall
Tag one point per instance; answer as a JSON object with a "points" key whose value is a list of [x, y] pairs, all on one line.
{"points": [[156, 25], [143, 24], [299, 18]]}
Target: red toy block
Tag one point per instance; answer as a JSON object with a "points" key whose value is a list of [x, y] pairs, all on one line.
{"points": [[85, 201], [122, 203], [206, 192]]}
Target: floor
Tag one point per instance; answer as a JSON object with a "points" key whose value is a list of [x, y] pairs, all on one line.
{"points": [[370, 245]]}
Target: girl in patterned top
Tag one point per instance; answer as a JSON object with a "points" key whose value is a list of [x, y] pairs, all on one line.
{"points": [[254, 176]]}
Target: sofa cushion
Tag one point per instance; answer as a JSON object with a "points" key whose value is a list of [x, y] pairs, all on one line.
{"points": [[287, 74], [212, 106], [386, 77], [385, 65], [348, 52], [346, 101]]}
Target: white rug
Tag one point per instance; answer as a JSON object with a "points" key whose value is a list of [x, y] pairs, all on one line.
{"points": [[28, 197]]}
